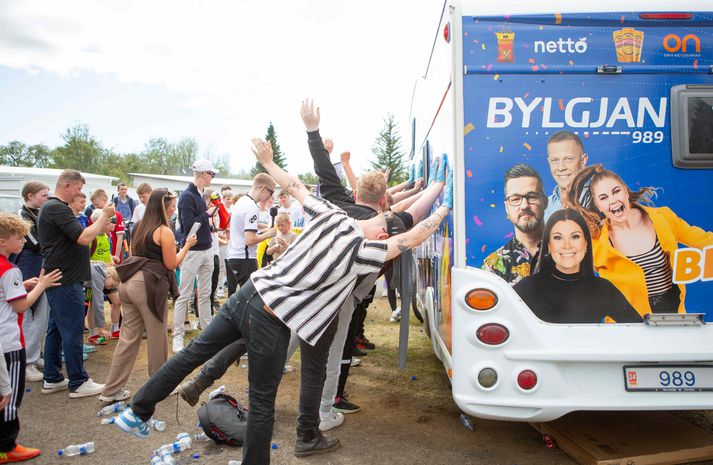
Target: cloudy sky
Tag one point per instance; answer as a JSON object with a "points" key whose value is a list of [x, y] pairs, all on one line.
{"points": [[217, 71]]}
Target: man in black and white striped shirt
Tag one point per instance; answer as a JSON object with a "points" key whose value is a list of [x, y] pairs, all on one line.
{"points": [[303, 291]]}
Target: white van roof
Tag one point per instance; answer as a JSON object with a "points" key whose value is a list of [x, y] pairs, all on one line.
{"points": [[521, 7]]}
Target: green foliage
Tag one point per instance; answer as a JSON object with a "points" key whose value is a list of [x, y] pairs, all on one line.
{"points": [[81, 151], [18, 154], [308, 178], [277, 154], [389, 155]]}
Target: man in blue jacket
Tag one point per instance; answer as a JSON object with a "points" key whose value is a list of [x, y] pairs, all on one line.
{"points": [[198, 264]]}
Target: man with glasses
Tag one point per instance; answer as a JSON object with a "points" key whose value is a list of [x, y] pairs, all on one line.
{"points": [[525, 203], [198, 263], [244, 237], [566, 157]]}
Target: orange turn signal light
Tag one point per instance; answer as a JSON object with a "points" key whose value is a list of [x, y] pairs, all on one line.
{"points": [[481, 299]]}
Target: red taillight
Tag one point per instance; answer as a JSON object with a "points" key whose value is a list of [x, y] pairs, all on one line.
{"points": [[493, 334], [666, 16], [447, 32], [527, 379]]}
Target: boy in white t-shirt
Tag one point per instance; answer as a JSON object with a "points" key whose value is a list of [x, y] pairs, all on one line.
{"points": [[14, 300], [285, 236]]}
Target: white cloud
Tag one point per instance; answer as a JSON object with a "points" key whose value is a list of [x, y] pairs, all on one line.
{"points": [[249, 61]]}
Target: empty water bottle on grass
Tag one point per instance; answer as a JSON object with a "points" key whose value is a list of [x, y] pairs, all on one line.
{"points": [[113, 408], [77, 449], [234, 462], [108, 421]]}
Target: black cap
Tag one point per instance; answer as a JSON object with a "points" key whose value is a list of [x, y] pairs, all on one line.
{"points": [[394, 224]]}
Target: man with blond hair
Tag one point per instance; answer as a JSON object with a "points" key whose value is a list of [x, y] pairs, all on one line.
{"points": [[65, 247], [244, 237]]}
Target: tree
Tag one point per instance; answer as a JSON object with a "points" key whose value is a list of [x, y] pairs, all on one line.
{"points": [[308, 178], [18, 154], [81, 151], [277, 155], [163, 157], [389, 155]]}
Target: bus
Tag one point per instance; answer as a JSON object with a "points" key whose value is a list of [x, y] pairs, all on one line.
{"points": [[626, 90]]}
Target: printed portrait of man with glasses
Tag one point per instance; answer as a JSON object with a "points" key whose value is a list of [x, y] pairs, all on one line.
{"points": [[525, 204]]}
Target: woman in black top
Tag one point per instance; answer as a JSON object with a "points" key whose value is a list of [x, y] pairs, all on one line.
{"points": [[563, 288], [147, 278]]}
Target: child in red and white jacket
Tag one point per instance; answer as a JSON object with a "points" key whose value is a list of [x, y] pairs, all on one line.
{"points": [[14, 300]]}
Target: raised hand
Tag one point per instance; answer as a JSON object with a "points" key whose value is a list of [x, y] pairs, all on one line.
{"points": [[432, 171], [262, 150], [441, 173], [448, 191], [345, 157], [109, 211], [329, 145], [310, 115]]}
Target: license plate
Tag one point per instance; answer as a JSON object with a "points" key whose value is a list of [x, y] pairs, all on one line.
{"points": [[669, 378]]}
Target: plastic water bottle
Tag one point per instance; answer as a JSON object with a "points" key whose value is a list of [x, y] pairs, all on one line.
{"points": [[158, 425], [201, 437], [466, 422], [113, 408], [215, 392], [108, 421], [169, 460], [77, 449], [156, 460], [185, 438], [234, 462]]}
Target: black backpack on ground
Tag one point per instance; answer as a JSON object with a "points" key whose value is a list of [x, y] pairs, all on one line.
{"points": [[224, 420]]}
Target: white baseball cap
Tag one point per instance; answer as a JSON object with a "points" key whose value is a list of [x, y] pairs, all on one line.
{"points": [[202, 166]]}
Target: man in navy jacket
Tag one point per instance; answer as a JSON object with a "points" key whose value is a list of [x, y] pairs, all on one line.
{"points": [[198, 264]]}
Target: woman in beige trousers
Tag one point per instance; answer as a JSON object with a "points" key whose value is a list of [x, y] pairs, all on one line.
{"points": [[147, 279]]}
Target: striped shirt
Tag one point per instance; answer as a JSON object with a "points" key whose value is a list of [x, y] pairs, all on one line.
{"points": [[314, 276], [657, 269]]}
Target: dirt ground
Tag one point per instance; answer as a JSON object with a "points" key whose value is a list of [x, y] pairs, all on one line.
{"points": [[407, 417]]}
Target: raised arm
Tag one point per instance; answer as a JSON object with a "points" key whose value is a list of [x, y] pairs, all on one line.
{"points": [[330, 184], [348, 172], [419, 233], [288, 182], [405, 194]]}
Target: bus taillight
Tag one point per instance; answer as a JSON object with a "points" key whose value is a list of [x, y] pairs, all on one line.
{"points": [[493, 334], [527, 380], [481, 299]]}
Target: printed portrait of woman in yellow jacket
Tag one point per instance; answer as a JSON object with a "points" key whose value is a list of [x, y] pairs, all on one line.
{"points": [[634, 244]]}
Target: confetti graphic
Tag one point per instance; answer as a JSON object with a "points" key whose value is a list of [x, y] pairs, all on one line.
{"points": [[477, 220], [509, 235], [558, 18], [535, 68], [560, 102], [527, 146], [469, 173], [468, 127], [496, 77], [482, 249], [501, 149]]}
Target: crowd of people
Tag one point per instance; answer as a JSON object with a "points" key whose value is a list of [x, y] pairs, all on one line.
{"points": [[300, 271]]}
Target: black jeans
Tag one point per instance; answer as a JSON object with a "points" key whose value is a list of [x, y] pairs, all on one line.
{"points": [[243, 316], [238, 271]]}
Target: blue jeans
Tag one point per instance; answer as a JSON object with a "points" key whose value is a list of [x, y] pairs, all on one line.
{"points": [[266, 337], [65, 333]]}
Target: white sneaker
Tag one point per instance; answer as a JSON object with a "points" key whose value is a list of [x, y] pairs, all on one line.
{"points": [[41, 364], [88, 388], [123, 394], [330, 420], [355, 362], [395, 315], [220, 293], [177, 344], [32, 373], [49, 388], [288, 369]]}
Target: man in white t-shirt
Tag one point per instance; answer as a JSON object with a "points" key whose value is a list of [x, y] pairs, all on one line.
{"points": [[294, 209], [245, 234], [143, 190]]}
